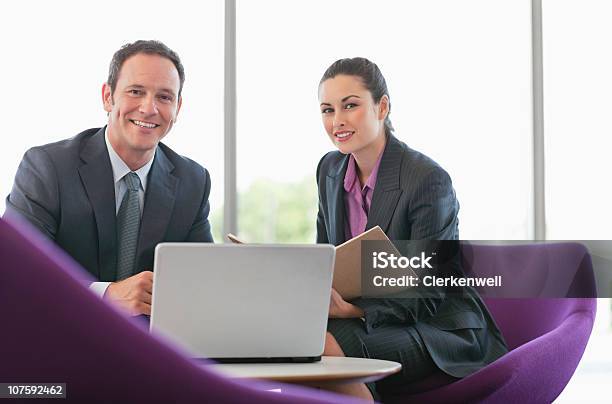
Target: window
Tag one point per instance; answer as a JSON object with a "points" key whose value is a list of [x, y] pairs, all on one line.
{"points": [[54, 69], [577, 91], [459, 77], [577, 105]]}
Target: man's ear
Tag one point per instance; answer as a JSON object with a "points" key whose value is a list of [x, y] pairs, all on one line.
{"points": [[107, 97], [383, 107], [178, 108]]}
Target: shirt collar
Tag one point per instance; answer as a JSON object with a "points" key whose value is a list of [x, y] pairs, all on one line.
{"points": [[351, 174], [120, 169], [352, 180], [371, 182]]}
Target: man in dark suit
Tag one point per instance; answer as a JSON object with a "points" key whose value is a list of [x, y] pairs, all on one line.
{"points": [[109, 195]]}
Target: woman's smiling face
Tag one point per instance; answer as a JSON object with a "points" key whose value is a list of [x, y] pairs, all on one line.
{"points": [[352, 120]]}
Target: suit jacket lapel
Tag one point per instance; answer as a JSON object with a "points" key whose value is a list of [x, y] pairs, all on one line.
{"points": [[387, 191], [97, 177], [335, 202], [158, 207]]}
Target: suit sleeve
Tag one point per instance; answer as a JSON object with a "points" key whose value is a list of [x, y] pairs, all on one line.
{"points": [[321, 231], [432, 216], [322, 237], [35, 193], [200, 230]]}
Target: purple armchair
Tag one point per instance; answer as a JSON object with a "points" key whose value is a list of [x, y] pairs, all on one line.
{"points": [[546, 336], [54, 330]]}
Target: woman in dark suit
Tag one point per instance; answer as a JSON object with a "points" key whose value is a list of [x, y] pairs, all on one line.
{"points": [[375, 179]]}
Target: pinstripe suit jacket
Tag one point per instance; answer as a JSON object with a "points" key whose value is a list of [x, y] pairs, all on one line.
{"points": [[414, 200]]}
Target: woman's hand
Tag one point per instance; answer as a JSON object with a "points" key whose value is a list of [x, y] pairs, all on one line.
{"points": [[340, 308]]}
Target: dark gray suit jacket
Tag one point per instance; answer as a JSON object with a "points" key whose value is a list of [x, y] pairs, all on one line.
{"points": [[414, 200], [66, 190]]}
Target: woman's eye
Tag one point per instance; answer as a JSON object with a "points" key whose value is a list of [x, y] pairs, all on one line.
{"points": [[326, 110], [350, 106]]}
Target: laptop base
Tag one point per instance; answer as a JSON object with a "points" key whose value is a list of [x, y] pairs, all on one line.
{"points": [[304, 359]]}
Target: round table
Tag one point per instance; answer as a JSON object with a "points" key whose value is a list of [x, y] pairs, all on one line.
{"points": [[329, 370]]}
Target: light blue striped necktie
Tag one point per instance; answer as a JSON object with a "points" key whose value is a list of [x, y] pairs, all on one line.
{"points": [[128, 225]]}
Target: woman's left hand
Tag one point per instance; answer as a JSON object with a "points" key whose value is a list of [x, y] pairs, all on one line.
{"points": [[340, 308]]}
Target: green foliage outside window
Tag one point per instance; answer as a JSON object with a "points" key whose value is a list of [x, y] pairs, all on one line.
{"points": [[273, 212]]}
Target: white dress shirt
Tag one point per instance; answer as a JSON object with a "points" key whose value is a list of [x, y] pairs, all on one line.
{"points": [[120, 169]]}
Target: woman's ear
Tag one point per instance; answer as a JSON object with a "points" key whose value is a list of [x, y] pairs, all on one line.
{"points": [[383, 107]]}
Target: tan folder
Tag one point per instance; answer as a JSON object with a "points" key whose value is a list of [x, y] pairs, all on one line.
{"points": [[347, 266], [234, 239]]}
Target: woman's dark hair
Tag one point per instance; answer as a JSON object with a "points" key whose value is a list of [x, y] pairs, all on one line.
{"points": [[150, 47], [370, 75]]}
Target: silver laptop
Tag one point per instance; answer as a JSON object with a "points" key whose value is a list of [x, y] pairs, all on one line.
{"points": [[243, 303]]}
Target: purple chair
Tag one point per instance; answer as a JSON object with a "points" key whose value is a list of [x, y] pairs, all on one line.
{"points": [[56, 331], [546, 336]]}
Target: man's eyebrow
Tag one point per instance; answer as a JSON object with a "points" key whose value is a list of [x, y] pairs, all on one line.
{"points": [[169, 91], [163, 90]]}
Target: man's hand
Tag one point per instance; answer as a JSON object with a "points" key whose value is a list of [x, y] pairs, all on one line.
{"points": [[340, 308], [132, 294]]}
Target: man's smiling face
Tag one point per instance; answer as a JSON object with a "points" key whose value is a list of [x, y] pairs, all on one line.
{"points": [[144, 104]]}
